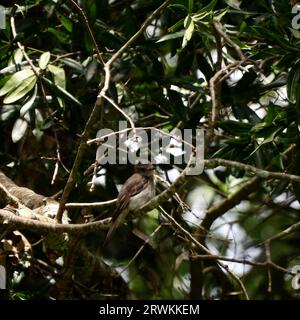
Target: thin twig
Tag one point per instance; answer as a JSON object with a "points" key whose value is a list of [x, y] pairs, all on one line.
{"points": [[184, 231], [237, 279], [291, 229], [139, 33], [83, 15], [215, 87], [218, 64], [21, 47], [243, 261], [90, 204], [122, 112], [203, 248], [141, 248], [264, 174], [14, 34], [92, 188], [218, 28]]}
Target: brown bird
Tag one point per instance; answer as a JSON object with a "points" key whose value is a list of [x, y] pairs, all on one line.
{"points": [[136, 191]]}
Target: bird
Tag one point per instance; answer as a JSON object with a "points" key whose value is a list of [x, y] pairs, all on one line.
{"points": [[137, 190]]}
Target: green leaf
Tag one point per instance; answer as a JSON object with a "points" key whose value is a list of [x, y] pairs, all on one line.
{"points": [[38, 133], [58, 75], [7, 111], [200, 16], [234, 4], [236, 128], [180, 6], [259, 126], [219, 15], [189, 25], [18, 130], [44, 60], [59, 79], [268, 139], [208, 8], [27, 106], [61, 92], [61, 36], [191, 6], [275, 37], [20, 91], [67, 23], [206, 11], [171, 36], [76, 66], [15, 80], [16, 58], [293, 83], [177, 25], [296, 33]]}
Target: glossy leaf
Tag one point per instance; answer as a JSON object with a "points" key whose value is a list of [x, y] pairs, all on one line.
{"points": [[59, 79], [293, 83], [21, 90], [19, 129], [61, 92], [27, 106], [189, 29], [16, 58], [44, 60], [15, 80]]}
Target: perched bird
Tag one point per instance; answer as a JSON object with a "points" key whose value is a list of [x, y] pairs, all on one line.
{"points": [[137, 190]]}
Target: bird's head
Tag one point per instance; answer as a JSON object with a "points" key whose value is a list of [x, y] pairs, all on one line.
{"points": [[144, 168]]}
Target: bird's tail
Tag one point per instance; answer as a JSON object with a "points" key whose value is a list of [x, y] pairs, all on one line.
{"points": [[114, 224]]}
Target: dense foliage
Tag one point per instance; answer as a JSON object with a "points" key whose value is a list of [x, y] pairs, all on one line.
{"points": [[170, 76]]}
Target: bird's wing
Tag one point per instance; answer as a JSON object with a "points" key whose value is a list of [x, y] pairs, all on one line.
{"points": [[130, 188]]}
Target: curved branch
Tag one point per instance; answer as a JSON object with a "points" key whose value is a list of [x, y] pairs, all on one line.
{"points": [[18, 222], [261, 173]]}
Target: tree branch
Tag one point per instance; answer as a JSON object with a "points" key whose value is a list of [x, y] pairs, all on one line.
{"points": [[261, 173], [93, 116]]}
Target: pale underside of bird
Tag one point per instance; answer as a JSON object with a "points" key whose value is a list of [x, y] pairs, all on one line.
{"points": [[136, 191]]}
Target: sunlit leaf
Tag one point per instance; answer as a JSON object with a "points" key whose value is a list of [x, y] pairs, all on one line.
{"points": [[16, 58], [19, 130], [234, 3], [171, 36], [21, 91], [15, 80], [44, 60], [59, 79], [27, 106], [7, 111], [58, 75], [189, 25]]}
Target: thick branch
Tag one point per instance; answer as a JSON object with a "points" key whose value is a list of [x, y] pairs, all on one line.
{"points": [[231, 201], [18, 222], [25, 196]]}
